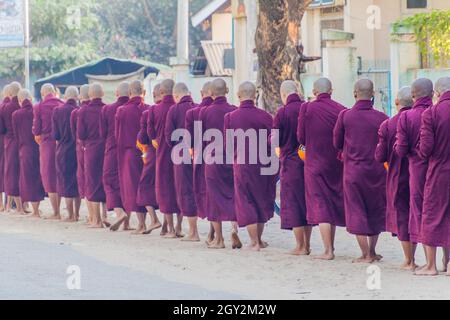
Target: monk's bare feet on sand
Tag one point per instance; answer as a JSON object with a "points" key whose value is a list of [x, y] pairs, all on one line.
{"points": [[152, 228], [115, 227], [217, 245], [34, 216], [96, 226], [139, 231], [300, 252], [427, 272], [106, 224], [53, 217], [409, 266], [264, 245], [378, 257], [70, 220], [191, 238], [235, 241], [369, 260], [170, 235], [326, 256], [253, 247]]}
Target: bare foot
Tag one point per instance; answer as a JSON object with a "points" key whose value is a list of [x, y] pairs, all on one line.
{"points": [[299, 252], [264, 245], [53, 217], [365, 260], [378, 257], [429, 272], [235, 241], [408, 266], [96, 226], [180, 234], [115, 227], [326, 257], [139, 231], [152, 228], [191, 238], [255, 247], [34, 216], [106, 224], [170, 235], [217, 245]]}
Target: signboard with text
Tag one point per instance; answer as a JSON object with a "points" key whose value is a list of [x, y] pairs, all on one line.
{"points": [[11, 23]]}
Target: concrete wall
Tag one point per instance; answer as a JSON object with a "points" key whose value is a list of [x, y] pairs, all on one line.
{"points": [[222, 24]]}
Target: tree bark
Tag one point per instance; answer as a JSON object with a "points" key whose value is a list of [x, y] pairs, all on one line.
{"points": [[277, 36]]}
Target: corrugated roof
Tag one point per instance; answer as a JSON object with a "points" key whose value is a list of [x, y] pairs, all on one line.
{"points": [[214, 52], [207, 11]]}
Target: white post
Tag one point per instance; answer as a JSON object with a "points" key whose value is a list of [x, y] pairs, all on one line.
{"points": [[180, 63], [27, 43]]}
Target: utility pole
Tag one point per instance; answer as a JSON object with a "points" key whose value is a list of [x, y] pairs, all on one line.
{"points": [[27, 43]]}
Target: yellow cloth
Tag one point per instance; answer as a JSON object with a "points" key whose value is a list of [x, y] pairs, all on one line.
{"points": [[155, 144], [302, 153]]}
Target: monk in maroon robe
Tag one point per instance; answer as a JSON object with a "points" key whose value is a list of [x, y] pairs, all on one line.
{"points": [[435, 147], [356, 134], [165, 183], [12, 167], [42, 130], [130, 163], [220, 197], [407, 145], [66, 154], [183, 170], [5, 101], [397, 186], [254, 188], [111, 181], [293, 202], [193, 116], [146, 194], [323, 169], [88, 131], [30, 184]]}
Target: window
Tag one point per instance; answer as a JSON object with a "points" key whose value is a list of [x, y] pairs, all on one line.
{"points": [[416, 4]]}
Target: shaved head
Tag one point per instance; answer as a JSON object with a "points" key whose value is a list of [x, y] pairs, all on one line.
{"points": [[322, 85], [288, 88], [364, 89], [179, 91], [5, 91], [247, 91], [442, 86], [96, 91], [137, 88], [84, 92], [207, 90], [71, 93], [422, 87], [14, 88], [157, 93], [47, 89], [23, 95], [219, 88], [167, 87], [404, 98], [123, 90]]}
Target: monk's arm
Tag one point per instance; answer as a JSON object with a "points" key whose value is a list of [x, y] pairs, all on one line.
{"points": [[103, 124], [278, 125], [117, 121], [151, 132], [73, 124], [55, 131], [14, 125], [381, 152], [427, 137], [37, 122], [82, 133], [301, 134], [2, 124], [169, 127], [142, 135], [339, 132], [402, 143]]}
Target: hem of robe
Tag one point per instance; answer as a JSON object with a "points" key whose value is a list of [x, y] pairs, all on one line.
{"points": [[168, 210], [364, 233], [434, 241], [96, 200], [68, 195], [316, 222], [32, 199], [113, 204], [243, 223]]}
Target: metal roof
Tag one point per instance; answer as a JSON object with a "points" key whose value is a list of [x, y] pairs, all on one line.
{"points": [[207, 11], [214, 52]]}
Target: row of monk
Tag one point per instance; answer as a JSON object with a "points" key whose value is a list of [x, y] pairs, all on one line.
{"points": [[360, 169]]}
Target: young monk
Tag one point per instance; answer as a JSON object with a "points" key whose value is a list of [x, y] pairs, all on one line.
{"points": [[435, 146], [88, 131], [12, 168], [6, 99], [407, 145], [66, 154], [130, 164], [165, 184], [146, 194], [323, 170], [397, 214], [111, 181], [356, 135], [193, 116], [30, 184], [84, 101], [254, 192], [183, 178], [220, 196], [42, 130], [293, 202]]}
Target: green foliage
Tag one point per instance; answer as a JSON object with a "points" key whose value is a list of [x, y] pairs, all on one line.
{"points": [[433, 35]]}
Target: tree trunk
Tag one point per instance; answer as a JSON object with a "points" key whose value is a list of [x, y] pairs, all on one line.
{"points": [[277, 36]]}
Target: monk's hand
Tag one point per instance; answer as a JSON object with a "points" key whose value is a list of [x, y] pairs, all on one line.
{"points": [[386, 166], [38, 139], [155, 144]]}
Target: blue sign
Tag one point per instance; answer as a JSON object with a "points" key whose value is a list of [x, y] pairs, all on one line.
{"points": [[12, 23]]}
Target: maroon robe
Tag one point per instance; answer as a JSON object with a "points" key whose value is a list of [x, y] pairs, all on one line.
{"points": [[42, 127], [110, 166], [66, 152], [200, 191], [407, 145], [183, 173], [323, 169], [435, 146], [397, 186], [254, 193], [165, 183], [356, 134], [30, 184], [80, 149], [128, 119], [88, 131], [146, 194], [293, 202], [2, 150], [220, 203], [12, 167]]}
